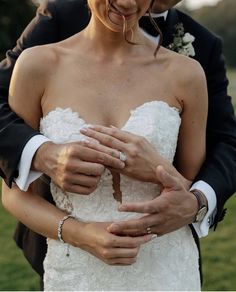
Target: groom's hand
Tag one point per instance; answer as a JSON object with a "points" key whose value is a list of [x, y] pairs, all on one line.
{"points": [[173, 209], [73, 166]]}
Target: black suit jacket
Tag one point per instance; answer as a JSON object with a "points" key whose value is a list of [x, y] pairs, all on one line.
{"points": [[59, 19]]}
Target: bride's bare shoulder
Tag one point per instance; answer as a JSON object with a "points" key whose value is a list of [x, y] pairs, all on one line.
{"points": [[37, 61], [185, 70]]}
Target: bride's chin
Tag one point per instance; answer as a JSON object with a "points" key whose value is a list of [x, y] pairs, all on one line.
{"points": [[118, 19]]}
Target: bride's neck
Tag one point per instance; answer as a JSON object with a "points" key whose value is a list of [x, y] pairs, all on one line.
{"points": [[106, 41]]}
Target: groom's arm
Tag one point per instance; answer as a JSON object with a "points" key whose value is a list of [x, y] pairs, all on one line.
{"points": [[217, 177], [14, 133], [219, 169]]}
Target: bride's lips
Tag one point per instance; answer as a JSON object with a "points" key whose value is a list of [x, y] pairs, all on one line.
{"points": [[120, 15]]}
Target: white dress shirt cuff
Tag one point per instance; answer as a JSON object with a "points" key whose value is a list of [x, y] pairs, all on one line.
{"points": [[202, 228], [26, 175]]}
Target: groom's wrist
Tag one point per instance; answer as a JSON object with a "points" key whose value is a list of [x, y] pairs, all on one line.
{"points": [[202, 205], [39, 161]]}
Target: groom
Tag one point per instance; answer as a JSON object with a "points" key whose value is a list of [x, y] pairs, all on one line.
{"points": [[59, 19]]}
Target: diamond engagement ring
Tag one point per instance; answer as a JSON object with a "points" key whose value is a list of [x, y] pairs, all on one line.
{"points": [[122, 156], [149, 231]]}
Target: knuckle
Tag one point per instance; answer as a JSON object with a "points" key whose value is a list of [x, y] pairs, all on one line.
{"points": [[101, 168], [146, 209], [134, 152], [70, 150], [105, 254], [98, 169], [64, 186], [150, 209], [108, 140], [101, 158], [113, 131], [113, 153], [178, 182], [65, 178], [139, 140]]}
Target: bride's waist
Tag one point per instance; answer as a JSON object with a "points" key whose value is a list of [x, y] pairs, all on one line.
{"points": [[101, 205]]}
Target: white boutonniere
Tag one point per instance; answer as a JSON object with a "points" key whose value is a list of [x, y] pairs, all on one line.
{"points": [[182, 42]]}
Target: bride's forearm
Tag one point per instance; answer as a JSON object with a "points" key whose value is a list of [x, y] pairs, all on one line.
{"points": [[37, 214], [94, 238]]}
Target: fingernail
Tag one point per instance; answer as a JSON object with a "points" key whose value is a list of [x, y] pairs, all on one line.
{"points": [[121, 207], [83, 130], [87, 127], [153, 236], [85, 140], [113, 127], [113, 227]]}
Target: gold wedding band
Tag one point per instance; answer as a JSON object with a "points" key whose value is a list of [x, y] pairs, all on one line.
{"points": [[149, 231]]}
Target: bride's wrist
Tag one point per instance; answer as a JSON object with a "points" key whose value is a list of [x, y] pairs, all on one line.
{"points": [[72, 232]]}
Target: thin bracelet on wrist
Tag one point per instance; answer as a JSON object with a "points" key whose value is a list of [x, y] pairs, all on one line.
{"points": [[60, 225]]}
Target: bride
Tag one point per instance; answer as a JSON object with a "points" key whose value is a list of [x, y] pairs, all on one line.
{"points": [[110, 74]]}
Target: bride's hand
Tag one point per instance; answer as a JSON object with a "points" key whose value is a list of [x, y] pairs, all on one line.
{"points": [[141, 157], [110, 248], [74, 167]]}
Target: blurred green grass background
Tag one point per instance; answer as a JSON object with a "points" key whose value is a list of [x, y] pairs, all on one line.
{"points": [[218, 248]]}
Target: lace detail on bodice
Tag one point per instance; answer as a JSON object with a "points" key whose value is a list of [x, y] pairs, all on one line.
{"points": [[164, 263], [156, 121]]}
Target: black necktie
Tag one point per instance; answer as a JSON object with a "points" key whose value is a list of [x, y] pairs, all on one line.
{"points": [[148, 27]]}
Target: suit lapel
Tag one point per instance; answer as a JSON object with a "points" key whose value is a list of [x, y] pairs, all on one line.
{"points": [[169, 29]]}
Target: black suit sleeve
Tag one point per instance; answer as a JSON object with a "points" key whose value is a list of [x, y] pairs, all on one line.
{"points": [[219, 169], [14, 133]]}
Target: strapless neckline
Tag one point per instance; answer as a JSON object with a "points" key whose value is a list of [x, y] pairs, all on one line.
{"points": [[131, 111]]}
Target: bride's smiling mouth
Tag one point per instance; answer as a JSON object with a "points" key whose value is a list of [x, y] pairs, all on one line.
{"points": [[127, 16], [118, 13]]}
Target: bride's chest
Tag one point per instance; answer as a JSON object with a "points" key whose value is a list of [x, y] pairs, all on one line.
{"points": [[105, 98], [156, 121]]}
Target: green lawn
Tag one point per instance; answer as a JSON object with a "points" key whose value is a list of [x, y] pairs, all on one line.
{"points": [[219, 253], [15, 272], [218, 248], [232, 85]]}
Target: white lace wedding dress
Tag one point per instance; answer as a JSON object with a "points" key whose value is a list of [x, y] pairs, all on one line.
{"points": [[169, 262]]}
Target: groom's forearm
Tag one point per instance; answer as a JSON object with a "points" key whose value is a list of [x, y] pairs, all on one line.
{"points": [[14, 134]]}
